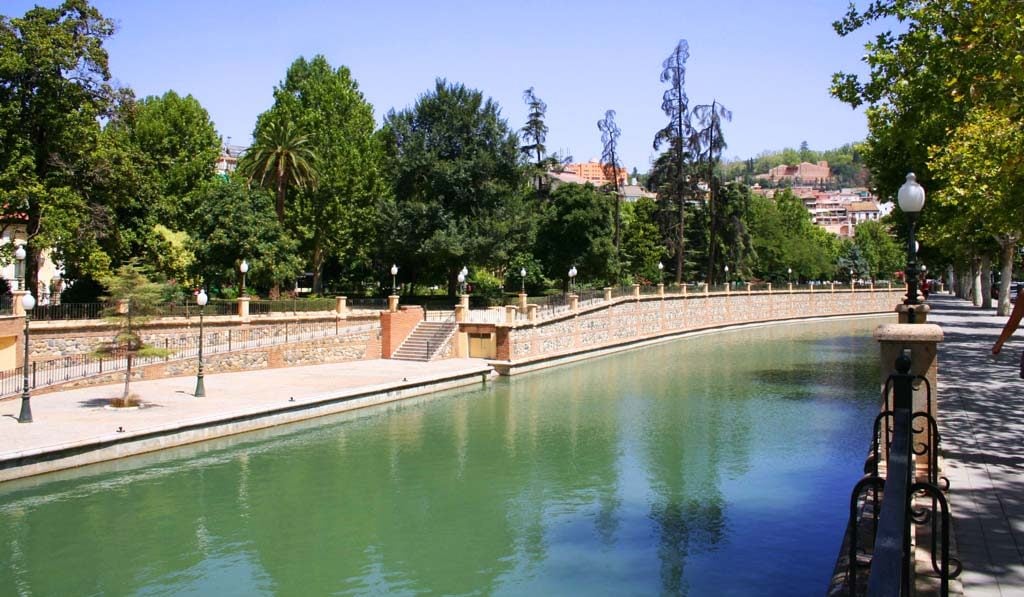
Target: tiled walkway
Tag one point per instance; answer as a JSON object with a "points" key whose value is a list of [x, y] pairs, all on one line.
{"points": [[981, 419]]}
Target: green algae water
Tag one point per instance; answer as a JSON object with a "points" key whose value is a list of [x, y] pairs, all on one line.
{"points": [[713, 465]]}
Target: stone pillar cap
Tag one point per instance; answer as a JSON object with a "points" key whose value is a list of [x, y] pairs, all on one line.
{"points": [[908, 332]]}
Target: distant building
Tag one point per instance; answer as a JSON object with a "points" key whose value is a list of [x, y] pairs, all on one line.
{"points": [[802, 173], [838, 212], [227, 161], [595, 172]]}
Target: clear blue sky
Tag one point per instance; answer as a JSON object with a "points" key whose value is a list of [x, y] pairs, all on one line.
{"points": [[769, 62]]}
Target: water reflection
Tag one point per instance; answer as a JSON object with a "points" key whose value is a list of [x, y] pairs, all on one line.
{"points": [[657, 470]]}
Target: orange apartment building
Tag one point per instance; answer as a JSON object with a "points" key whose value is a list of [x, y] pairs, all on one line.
{"points": [[595, 172]]}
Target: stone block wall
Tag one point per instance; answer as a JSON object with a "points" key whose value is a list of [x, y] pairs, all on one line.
{"points": [[628, 320], [329, 349]]}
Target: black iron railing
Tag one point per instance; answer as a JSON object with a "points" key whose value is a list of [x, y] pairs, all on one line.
{"points": [[884, 511], [61, 369]]}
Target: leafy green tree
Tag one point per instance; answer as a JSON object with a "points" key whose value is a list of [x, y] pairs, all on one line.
{"points": [[239, 223], [783, 237], [576, 233], [150, 156], [677, 135], [881, 253], [134, 298], [54, 89], [642, 247], [335, 219], [983, 171], [454, 165]]}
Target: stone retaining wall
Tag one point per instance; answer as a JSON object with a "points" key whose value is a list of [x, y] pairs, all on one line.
{"points": [[630, 319], [68, 338], [329, 349]]}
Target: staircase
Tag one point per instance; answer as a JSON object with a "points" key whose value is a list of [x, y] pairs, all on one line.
{"points": [[424, 341]]}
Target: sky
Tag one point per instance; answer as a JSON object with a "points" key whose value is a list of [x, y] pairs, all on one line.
{"points": [[770, 63]]}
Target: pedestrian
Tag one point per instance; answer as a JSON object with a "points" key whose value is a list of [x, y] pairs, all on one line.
{"points": [[1011, 326]]}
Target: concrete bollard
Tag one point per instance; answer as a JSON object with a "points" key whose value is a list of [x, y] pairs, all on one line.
{"points": [[393, 302], [636, 291], [574, 302], [510, 313], [661, 290], [341, 307], [522, 301], [531, 312], [607, 293]]}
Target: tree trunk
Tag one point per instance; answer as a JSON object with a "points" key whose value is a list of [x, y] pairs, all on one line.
{"points": [[682, 240], [318, 266], [279, 204], [986, 281], [127, 380], [1007, 247], [976, 281]]}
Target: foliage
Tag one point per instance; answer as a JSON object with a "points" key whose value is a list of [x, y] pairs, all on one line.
{"points": [[454, 169], [783, 238], [336, 219], [535, 131], [642, 248], [576, 233], [881, 254], [240, 224], [280, 157], [54, 88], [133, 298]]}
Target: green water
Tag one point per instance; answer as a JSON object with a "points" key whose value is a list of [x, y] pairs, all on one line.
{"points": [[718, 465]]}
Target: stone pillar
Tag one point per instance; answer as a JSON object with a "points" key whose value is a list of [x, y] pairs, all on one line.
{"points": [[392, 302], [749, 285], [922, 340], [832, 287], [17, 309], [791, 288], [464, 301], [920, 312], [243, 309], [661, 289], [122, 307], [769, 287], [461, 311], [341, 307], [607, 293], [531, 312], [636, 291], [684, 288], [574, 302], [510, 313], [522, 301]]}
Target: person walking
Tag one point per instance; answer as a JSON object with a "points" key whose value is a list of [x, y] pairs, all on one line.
{"points": [[1011, 326]]}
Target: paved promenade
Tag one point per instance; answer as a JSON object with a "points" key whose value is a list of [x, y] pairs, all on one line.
{"points": [[76, 427], [981, 419]]}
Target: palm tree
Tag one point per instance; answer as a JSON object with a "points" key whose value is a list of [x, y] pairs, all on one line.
{"points": [[281, 156]]}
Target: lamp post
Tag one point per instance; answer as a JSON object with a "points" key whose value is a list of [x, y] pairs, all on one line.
{"points": [[394, 279], [727, 276], [19, 266], [25, 416], [911, 199], [661, 273], [522, 274], [789, 274], [851, 276], [572, 279], [244, 268], [201, 299]]}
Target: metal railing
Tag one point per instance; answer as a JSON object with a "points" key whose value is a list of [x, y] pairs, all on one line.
{"points": [[883, 511], [62, 369]]}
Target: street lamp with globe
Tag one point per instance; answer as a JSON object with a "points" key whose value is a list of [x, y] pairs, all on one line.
{"points": [[911, 198], [201, 300], [25, 416]]}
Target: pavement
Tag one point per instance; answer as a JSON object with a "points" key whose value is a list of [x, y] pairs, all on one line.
{"points": [[75, 427], [981, 422]]}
